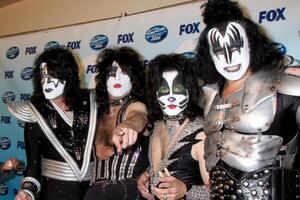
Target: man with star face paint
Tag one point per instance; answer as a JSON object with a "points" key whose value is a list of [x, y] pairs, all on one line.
{"points": [[59, 130], [251, 109], [177, 168], [121, 139]]}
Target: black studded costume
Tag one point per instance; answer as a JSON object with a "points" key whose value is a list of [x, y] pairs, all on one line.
{"points": [[58, 149], [116, 176]]}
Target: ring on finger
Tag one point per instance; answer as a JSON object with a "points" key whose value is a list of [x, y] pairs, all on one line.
{"points": [[165, 197]]}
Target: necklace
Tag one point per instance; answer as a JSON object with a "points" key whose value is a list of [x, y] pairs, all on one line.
{"points": [[119, 102]]}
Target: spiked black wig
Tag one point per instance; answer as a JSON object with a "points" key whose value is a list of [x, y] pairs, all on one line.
{"points": [[218, 13], [131, 62]]}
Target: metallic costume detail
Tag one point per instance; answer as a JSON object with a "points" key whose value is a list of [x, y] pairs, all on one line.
{"points": [[21, 110], [256, 185], [253, 152], [189, 129], [114, 168], [289, 85], [122, 167], [29, 193], [31, 180], [79, 173], [133, 162], [62, 171], [197, 192]]}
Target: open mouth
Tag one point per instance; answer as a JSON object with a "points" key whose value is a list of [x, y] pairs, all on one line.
{"points": [[233, 68], [172, 106], [117, 85], [48, 90]]}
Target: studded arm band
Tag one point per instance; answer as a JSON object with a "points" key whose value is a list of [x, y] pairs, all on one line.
{"points": [[196, 192], [31, 186]]}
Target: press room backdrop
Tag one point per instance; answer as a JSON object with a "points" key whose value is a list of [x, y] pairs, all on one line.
{"points": [[173, 29]]}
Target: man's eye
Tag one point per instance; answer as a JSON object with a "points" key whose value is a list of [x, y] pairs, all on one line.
{"points": [[163, 90], [219, 52], [178, 88]]}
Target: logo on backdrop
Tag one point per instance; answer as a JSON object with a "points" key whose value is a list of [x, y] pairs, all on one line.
{"points": [[51, 45], [27, 73], [74, 44], [189, 28], [12, 52], [272, 15], [9, 74], [156, 34], [91, 69], [3, 189], [8, 96], [5, 119], [279, 47], [189, 54], [125, 38], [21, 123], [24, 96], [20, 145], [5, 143], [99, 42], [21, 168], [30, 50]]}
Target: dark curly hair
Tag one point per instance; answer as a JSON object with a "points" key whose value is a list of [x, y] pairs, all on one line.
{"points": [[218, 13], [131, 62], [184, 66], [61, 64]]}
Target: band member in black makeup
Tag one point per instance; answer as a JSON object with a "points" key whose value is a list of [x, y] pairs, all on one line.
{"points": [[121, 139], [252, 112], [177, 167], [59, 130]]}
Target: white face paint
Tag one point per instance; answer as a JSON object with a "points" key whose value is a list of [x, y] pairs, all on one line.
{"points": [[230, 51], [172, 95], [52, 87], [118, 82]]}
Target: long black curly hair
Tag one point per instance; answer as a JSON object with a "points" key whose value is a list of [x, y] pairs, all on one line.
{"points": [[131, 62], [218, 13], [62, 65], [184, 66]]}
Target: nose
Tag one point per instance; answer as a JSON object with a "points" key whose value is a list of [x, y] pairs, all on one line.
{"points": [[171, 99]]}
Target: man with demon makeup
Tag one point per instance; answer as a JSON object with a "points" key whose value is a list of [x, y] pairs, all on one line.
{"points": [[59, 131], [177, 142], [252, 113], [121, 137]]}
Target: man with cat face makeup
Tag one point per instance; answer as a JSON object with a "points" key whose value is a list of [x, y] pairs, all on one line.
{"points": [[121, 138], [177, 168], [59, 130], [251, 109]]}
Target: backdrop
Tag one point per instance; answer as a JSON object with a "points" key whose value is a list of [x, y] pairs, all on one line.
{"points": [[174, 29]]}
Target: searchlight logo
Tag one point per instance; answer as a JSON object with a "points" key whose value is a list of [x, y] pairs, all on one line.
{"points": [[3, 189], [51, 45], [156, 34], [189, 54], [99, 42], [12, 52], [26, 73], [5, 143], [8, 96], [279, 47]]}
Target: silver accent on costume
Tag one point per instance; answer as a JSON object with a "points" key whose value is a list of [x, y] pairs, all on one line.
{"points": [[198, 192], [114, 167], [122, 167], [32, 180], [21, 110], [254, 151], [29, 193], [289, 84], [287, 160], [62, 171], [133, 161], [79, 173], [190, 128]]}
